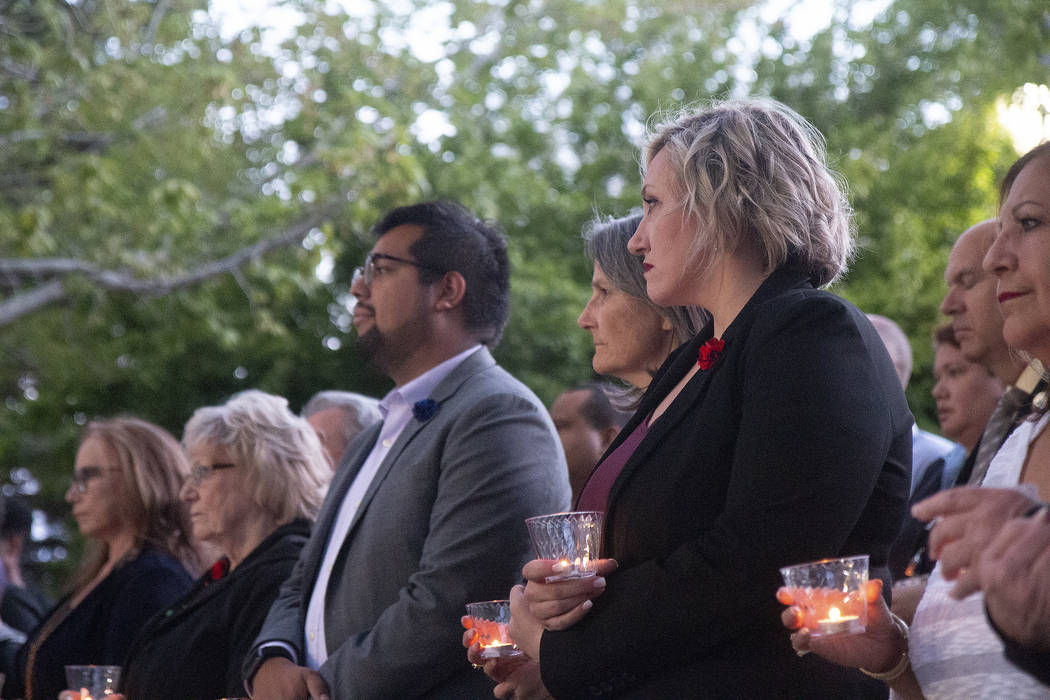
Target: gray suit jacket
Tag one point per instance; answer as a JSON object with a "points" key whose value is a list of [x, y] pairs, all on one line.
{"points": [[440, 526]]}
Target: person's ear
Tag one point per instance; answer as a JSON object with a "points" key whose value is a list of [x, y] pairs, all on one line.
{"points": [[450, 290]]}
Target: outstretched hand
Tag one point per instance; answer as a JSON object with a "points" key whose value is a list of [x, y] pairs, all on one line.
{"points": [[1014, 573], [966, 520]]}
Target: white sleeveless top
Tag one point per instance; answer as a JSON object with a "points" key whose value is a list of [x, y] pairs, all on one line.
{"points": [[954, 652]]}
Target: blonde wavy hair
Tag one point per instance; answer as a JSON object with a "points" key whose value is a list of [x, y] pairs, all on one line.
{"points": [[754, 174]]}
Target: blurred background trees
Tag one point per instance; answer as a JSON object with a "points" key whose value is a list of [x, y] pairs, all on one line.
{"points": [[182, 199]]}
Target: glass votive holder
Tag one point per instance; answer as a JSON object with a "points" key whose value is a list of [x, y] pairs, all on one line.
{"points": [[574, 538], [830, 593], [490, 619], [93, 682]]}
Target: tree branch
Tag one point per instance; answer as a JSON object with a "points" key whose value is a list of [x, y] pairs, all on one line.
{"points": [[159, 10], [55, 270], [28, 302], [78, 140]]}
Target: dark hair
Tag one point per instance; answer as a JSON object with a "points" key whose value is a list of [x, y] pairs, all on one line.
{"points": [[598, 410], [1039, 151], [18, 517], [605, 242], [454, 240]]}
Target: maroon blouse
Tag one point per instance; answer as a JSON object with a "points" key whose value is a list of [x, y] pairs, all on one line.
{"points": [[595, 494]]}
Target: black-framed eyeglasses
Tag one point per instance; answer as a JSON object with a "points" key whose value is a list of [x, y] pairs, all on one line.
{"points": [[367, 272], [83, 476], [200, 472]]}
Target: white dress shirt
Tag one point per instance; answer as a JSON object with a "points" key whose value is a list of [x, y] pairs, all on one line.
{"points": [[396, 409]]}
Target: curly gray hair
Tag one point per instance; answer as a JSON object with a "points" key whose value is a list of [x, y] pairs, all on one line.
{"points": [[281, 452]]}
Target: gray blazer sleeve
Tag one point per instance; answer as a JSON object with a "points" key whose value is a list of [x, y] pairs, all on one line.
{"points": [[497, 461], [284, 622]]}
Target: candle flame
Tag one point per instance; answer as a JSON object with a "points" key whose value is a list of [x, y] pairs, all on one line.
{"points": [[834, 614]]}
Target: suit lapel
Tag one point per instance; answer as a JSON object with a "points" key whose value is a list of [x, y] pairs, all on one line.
{"points": [[680, 362], [475, 363], [348, 468], [198, 599], [678, 366]]}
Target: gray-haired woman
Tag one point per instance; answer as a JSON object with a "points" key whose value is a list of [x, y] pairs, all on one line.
{"points": [[258, 477], [632, 335]]}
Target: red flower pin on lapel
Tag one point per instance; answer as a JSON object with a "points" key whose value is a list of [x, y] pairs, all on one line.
{"points": [[710, 352]]}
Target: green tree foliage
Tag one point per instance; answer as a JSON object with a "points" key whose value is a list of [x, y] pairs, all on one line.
{"points": [[185, 209]]}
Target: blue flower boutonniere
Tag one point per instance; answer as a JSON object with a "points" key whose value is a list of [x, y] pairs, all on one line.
{"points": [[425, 410]]}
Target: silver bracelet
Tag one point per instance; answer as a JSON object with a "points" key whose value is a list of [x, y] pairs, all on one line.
{"points": [[902, 665]]}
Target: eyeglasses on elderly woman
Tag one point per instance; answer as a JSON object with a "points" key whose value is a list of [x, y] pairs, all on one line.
{"points": [[200, 472]]}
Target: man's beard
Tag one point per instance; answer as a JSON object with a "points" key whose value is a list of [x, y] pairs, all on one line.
{"points": [[387, 351], [373, 348]]}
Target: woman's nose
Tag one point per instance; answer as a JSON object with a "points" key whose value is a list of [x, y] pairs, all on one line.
{"points": [[585, 319]]}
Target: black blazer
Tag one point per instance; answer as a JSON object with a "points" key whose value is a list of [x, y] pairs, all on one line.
{"points": [[100, 629], [193, 650], [794, 446], [21, 609]]}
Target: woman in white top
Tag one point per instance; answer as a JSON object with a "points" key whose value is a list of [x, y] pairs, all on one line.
{"points": [[952, 651]]}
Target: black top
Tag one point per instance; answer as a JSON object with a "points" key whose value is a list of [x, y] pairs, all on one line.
{"points": [[794, 446], [193, 649], [99, 630], [21, 609], [1030, 659]]}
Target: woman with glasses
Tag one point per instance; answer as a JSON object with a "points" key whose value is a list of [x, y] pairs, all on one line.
{"points": [[258, 477], [124, 495]]}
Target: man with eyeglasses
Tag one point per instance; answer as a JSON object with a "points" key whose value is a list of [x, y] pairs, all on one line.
{"points": [[425, 512]]}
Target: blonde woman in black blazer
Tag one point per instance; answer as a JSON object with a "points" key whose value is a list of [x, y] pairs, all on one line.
{"points": [[780, 434]]}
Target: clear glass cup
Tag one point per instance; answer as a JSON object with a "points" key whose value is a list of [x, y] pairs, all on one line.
{"points": [[574, 538], [491, 619], [93, 682], [831, 594]]}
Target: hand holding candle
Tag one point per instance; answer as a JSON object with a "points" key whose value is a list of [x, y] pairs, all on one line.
{"points": [[490, 621], [572, 539], [829, 594], [878, 648]]}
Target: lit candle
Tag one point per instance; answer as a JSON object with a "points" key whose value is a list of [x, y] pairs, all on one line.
{"points": [[498, 649], [835, 622], [494, 649]]}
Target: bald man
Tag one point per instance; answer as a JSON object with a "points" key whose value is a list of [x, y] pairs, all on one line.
{"points": [[973, 304]]}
